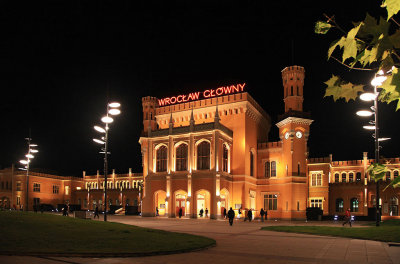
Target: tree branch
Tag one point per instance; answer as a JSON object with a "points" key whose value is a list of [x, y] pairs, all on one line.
{"points": [[351, 68], [397, 23]]}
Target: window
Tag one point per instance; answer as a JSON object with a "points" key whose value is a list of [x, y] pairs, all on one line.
{"points": [[251, 164], [36, 201], [358, 176], [203, 156], [161, 159], [271, 201], [339, 205], [395, 174], [36, 187], [225, 153], [18, 200], [344, 177], [388, 176], [351, 177], [354, 204], [316, 202], [56, 189], [336, 177], [181, 157], [66, 190], [267, 169], [316, 179], [273, 168], [18, 186]]}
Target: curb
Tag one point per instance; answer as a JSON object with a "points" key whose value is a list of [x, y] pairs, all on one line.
{"points": [[105, 255]]}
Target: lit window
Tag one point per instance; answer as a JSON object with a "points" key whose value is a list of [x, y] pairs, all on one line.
{"points": [[344, 177], [36, 187], [351, 177], [203, 156], [225, 158], [162, 159], [316, 179], [337, 177], [316, 203], [181, 157], [273, 168], [358, 176], [354, 205], [339, 205], [267, 169], [271, 202]]}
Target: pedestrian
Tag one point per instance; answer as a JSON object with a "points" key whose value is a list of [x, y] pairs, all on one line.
{"points": [[157, 211], [250, 215], [262, 214], [231, 216], [224, 213], [266, 214], [239, 212], [96, 213], [206, 212], [201, 212], [180, 212], [347, 217]]}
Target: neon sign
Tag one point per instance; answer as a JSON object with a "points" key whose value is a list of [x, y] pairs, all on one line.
{"points": [[224, 90]]}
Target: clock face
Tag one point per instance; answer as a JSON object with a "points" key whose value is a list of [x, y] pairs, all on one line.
{"points": [[299, 134], [287, 135]]}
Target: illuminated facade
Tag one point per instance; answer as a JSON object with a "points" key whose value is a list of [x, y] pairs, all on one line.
{"points": [[214, 153]]}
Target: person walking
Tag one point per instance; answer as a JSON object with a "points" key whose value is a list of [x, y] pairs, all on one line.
{"points": [[231, 216], [157, 211], [239, 212], [347, 217], [224, 213], [201, 212], [250, 215], [262, 214], [206, 212], [96, 212], [266, 214]]}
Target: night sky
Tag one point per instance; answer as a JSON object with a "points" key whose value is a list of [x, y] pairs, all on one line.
{"points": [[62, 60]]}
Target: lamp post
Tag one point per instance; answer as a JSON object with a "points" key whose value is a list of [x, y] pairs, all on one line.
{"points": [[112, 109], [374, 125], [26, 162]]}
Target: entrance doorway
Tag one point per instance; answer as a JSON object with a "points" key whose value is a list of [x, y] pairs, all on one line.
{"points": [[224, 194], [160, 204], [180, 201], [203, 202], [394, 206]]}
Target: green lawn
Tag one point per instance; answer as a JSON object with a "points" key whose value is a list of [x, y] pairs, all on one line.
{"points": [[22, 232], [389, 231]]}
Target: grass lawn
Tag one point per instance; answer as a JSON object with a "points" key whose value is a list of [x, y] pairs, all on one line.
{"points": [[389, 231], [27, 232]]}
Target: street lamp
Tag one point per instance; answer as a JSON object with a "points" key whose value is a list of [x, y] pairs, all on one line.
{"points": [[112, 109], [27, 162], [377, 81]]}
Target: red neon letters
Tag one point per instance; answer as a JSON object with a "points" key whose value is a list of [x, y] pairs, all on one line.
{"points": [[224, 90]]}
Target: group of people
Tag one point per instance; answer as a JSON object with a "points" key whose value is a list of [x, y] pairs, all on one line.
{"points": [[231, 215]]}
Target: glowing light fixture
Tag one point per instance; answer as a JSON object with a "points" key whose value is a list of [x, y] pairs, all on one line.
{"points": [[33, 145], [99, 129], [29, 156], [378, 80], [368, 97], [114, 111], [369, 127], [34, 150], [114, 104], [107, 119], [383, 139], [364, 113], [23, 161], [98, 141]]}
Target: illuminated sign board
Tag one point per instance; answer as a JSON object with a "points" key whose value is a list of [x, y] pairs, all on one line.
{"points": [[183, 98]]}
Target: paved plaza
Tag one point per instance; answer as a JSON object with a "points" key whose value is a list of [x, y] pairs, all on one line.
{"points": [[244, 242]]}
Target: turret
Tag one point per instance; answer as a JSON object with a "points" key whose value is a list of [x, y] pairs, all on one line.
{"points": [[293, 82], [149, 104]]}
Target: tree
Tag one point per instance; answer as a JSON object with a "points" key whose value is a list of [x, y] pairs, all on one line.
{"points": [[371, 45]]}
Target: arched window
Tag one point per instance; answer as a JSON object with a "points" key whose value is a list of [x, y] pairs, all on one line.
{"points": [[162, 159], [351, 177], [251, 164], [388, 176], [273, 168], [267, 169], [354, 204], [395, 174], [336, 177], [358, 176], [203, 156], [344, 177], [339, 205], [181, 157], [225, 153]]}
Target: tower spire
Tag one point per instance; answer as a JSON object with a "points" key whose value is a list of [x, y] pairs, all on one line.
{"points": [[216, 118]]}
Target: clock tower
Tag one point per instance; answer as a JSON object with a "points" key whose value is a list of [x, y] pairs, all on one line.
{"points": [[294, 128]]}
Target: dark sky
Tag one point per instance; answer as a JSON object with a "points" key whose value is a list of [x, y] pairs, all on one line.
{"points": [[62, 60]]}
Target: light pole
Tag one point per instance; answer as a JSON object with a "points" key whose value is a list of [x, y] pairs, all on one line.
{"points": [[112, 109], [374, 125], [26, 162]]}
